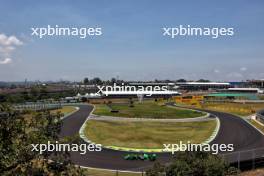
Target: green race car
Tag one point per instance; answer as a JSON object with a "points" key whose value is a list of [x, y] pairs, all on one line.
{"points": [[143, 157]]}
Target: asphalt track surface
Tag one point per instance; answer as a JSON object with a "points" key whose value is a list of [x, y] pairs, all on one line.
{"points": [[233, 130]]}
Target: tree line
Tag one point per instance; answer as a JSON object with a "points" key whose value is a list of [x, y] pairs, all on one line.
{"points": [[18, 131]]}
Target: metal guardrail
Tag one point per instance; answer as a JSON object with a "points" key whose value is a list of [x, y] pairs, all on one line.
{"points": [[260, 116], [43, 106], [246, 160], [100, 172]]}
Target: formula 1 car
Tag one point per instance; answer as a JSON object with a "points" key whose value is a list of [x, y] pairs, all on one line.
{"points": [[143, 157]]}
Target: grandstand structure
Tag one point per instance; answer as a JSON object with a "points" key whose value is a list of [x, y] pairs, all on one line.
{"points": [[194, 86], [257, 83]]}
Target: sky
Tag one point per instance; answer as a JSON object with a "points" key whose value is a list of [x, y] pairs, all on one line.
{"points": [[132, 45]]}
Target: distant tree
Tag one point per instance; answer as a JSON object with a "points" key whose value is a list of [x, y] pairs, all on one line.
{"points": [[26, 96], [43, 93], [96, 80], [113, 80], [17, 133], [84, 99], [13, 86], [3, 98], [194, 164], [86, 81], [181, 80], [34, 93], [14, 98], [156, 170], [203, 80]]}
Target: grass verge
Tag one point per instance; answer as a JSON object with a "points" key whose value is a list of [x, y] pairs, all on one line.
{"points": [[147, 135], [146, 110]]}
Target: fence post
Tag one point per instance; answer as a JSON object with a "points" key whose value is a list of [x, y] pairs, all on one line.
{"points": [[254, 156], [238, 160]]}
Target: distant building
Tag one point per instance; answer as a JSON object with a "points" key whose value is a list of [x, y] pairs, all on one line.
{"points": [[153, 94], [231, 96], [256, 83], [170, 86], [245, 90], [194, 86]]}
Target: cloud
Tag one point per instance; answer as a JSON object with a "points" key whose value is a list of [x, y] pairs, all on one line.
{"points": [[243, 69], [234, 75], [6, 50], [7, 47], [216, 71], [9, 41], [5, 61]]}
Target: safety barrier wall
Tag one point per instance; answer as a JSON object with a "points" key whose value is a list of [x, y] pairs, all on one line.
{"points": [[260, 116], [36, 106]]}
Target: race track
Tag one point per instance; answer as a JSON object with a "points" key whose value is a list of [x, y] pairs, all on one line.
{"points": [[233, 130]]}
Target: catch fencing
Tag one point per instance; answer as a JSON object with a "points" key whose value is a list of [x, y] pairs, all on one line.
{"points": [[246, 160], [36, 106]]}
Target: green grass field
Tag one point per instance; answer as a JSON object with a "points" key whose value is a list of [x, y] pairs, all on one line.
{"points": [[235, 108], [147, 135], [146, 110]]}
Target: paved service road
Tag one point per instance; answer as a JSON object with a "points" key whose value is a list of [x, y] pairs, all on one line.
{"points": [[233, 130]]}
